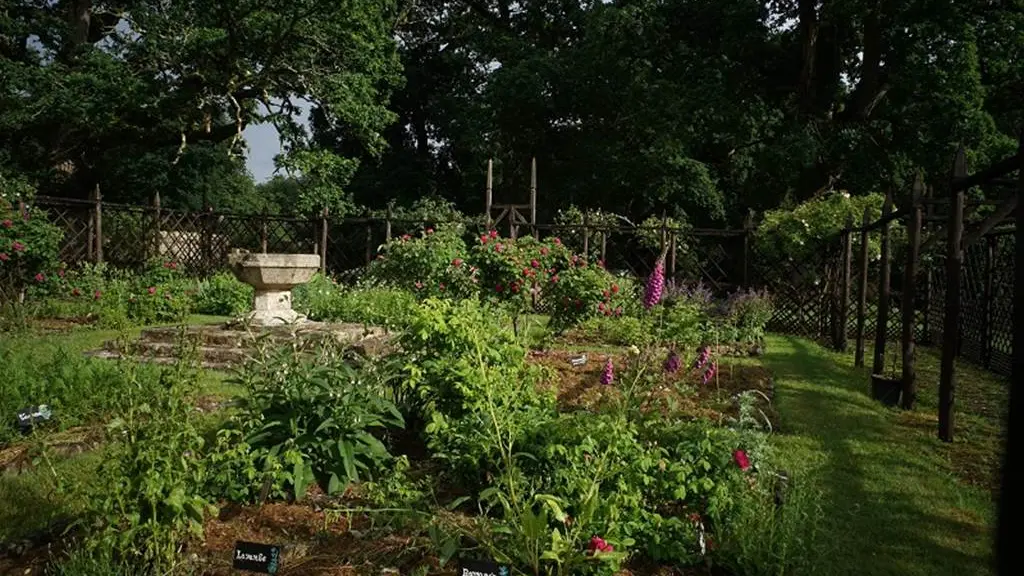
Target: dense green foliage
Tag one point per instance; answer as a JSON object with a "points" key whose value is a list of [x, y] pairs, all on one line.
{"points": [[701, 109]]}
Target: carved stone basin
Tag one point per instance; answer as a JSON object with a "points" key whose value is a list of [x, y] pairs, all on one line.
{"points": [[273, 276]]}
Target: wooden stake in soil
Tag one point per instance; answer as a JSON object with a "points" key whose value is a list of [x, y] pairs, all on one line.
{"points": [[882, 327], [951, 322], [98, 219], [909, 293]]}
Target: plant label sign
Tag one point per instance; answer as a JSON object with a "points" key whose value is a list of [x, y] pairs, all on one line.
{"points": [[28, 417], [482, 568], [256, 557], [578, 360]]}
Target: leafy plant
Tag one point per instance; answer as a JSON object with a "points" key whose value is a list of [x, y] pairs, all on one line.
{"points": [[223, 295], [147, 501], [316, 417], [29, 250]]}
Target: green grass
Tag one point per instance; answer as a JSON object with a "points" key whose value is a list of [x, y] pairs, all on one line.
{"points": [[893, 502]]}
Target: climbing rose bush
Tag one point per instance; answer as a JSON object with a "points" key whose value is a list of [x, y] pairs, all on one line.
{"points": [[431, 264], [519, 273], [29, 250]]}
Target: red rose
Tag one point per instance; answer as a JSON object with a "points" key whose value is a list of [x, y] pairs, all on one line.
{"points": [[419, 285], [543, 250], [7, 223], [405, 237], [741, 459], [96, 295], [440, 286], [152, 290], [17, 246], [76, 292], [534, 264], [457, 262], [483, 239], [554, 279], [499, 288], [494, 233], [430, 230], [615, 288], [40, 277], [557, 242], [4, 257]]}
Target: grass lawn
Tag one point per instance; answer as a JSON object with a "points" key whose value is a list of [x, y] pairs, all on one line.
{"points": [[896, 500]]}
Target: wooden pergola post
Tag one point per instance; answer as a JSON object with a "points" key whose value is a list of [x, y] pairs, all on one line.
{"points": [[882, 327], [951, 322], [909, 294], [862, 296]]}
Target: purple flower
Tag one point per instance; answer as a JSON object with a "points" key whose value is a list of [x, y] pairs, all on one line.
{"points": [[672, 363], [655, 285], [710, 374], [608, 374], [702, 358]]}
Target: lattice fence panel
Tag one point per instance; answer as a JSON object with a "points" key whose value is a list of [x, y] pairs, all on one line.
{"points": [[74, 220]]}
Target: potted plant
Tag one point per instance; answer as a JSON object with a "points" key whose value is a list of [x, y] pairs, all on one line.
{"points": [[887, 389]]}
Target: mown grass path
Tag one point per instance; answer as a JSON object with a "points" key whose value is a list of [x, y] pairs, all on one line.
{"points": [[892, 499]]}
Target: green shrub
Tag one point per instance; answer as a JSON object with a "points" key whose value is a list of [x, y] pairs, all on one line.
{"points": [[750, 311], [322, 299], [319, 420], [223, 295], [29, 250], [584, 291], [430, 265], [618, 330]]}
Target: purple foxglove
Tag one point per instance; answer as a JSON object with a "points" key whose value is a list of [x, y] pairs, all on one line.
{"points": [[608, 374], [672, 363], [655, 285], [710, 374], [702, 358]]}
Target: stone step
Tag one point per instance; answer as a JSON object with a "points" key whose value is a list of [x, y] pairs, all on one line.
{"points": [[114, 355]]}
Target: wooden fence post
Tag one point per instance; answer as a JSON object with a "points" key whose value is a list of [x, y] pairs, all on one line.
{"points": [[387, 224], [987, 294], [1009, 524], [533, 199], [882, 328], [209, 224], [586, 235], [490, 187], [157, 224], [672, 256], [263, 233], [369, 242], [951, 321], [324, 226], [98, 219], [910, 294], [862, 297], [604, 247], [844, 298], [926, 320], [748, 230]]}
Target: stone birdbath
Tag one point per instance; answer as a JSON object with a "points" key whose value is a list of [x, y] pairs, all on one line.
{"points": [[273, 276]]}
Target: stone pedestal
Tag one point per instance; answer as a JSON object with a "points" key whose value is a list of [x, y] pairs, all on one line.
{"points": [[273, 276]]}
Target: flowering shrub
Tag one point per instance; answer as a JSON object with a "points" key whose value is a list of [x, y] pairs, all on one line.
{"points": [[29, 250], [432, 264], [750, 311], [584, 291], [518, 273], [796, 232]]}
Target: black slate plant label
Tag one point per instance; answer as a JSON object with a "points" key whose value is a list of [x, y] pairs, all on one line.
{"points": [[481, 568], [256, 557], [28, 417]]}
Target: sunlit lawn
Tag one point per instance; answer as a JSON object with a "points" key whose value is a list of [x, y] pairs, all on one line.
{"points": [[896, 499]]}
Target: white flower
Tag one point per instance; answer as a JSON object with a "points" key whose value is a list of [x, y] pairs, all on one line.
{"points": [[633, 350], [846, 194]]}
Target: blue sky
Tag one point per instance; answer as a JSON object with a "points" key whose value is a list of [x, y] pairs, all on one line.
{"points": [[264, 144]]}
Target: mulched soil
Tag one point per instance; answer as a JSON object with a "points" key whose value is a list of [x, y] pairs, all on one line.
{"points": [[579, 387]]}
